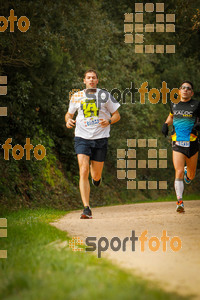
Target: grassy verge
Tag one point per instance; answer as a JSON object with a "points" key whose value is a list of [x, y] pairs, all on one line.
{"points": [[37, 269], [168, 198]]}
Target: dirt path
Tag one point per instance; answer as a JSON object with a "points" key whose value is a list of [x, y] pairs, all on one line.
{"points": [[173, 271]]}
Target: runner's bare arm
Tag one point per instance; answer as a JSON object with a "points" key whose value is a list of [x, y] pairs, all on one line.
{"points": [[169, 120], [115, 118], [69, 120]]}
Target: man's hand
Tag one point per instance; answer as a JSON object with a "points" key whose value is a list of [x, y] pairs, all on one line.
{"points": [[103, 122], [70, 123], [196, 126], [165, 129]]}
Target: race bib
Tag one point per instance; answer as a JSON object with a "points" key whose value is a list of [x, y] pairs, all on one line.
{"points": [[90, 112], [91, 121], [183, 143]]}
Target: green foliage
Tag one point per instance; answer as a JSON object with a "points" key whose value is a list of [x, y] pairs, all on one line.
{"points": [[44, 64]]}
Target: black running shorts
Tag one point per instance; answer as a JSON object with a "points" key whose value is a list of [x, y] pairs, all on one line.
{"points": [[187, 151], [96, 149]]}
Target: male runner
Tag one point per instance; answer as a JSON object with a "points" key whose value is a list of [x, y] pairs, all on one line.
{"points": [[97, 110], [184, 117]]}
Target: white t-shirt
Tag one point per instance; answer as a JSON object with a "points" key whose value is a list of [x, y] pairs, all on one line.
{"points": [[91, 108]]}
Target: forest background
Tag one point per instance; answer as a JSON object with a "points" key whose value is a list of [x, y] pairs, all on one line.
{"points": [[48, 61]]}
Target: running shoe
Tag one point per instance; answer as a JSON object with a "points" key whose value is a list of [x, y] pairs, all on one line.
{"points": [[180, 206], [186, 179], [86, 214], [96, 183]]}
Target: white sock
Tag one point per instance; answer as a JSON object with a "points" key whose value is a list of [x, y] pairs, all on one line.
{"points": [[179, 188]]}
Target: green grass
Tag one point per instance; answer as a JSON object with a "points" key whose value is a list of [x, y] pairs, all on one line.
{"points": [[168, 198], [36, 269]]}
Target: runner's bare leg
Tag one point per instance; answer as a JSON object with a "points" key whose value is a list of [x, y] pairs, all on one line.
{"points": [[84, 185], [192, 165], [179, 163], [96, 169]]}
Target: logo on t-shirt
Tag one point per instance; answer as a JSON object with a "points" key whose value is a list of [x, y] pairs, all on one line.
{"points": [[89, 108]]}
